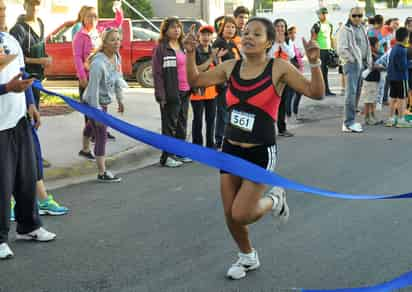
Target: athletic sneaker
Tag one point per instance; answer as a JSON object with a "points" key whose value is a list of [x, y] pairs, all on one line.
{"points": [[50, 207], [110, 137], [5, 251], [12, 216], [184, 159], [87, 155], [391, 122], [170, 162], [402, 123], [108, 177], [40, 234], [354, 128], [281, 209], [245, 263]]}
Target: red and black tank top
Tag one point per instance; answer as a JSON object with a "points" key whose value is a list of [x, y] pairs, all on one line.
{"points": [[253, 106]]}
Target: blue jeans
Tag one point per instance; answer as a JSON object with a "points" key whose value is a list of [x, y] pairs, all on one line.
{"points": [[352, 72]]}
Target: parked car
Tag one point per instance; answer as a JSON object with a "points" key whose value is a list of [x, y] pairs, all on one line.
{"points": [[136, 51], [187, 23]]}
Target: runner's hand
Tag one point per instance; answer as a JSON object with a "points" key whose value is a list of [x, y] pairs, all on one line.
{"points": [[190, 40], [18, 85], [312, 50], [34, 115]]}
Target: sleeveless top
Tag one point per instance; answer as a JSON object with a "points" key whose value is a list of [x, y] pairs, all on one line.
{"points": [[253, 106]]}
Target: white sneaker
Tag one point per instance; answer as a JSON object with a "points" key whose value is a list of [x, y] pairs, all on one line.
{"points": [[245, 263], [40, 234], [354, 128], [281, 209], [184, 159], [5, 251], [170, 162]]}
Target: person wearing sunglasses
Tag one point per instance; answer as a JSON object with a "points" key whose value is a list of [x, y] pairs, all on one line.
{"points": [[355, 52]]}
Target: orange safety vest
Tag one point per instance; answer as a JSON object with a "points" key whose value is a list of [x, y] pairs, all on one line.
{"points": [[210, 92]]}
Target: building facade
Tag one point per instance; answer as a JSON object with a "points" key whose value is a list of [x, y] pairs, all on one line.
{"points": [[207, 10]]}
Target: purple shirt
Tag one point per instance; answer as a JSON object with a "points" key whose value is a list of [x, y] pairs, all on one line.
{"points": [[181, 71]]}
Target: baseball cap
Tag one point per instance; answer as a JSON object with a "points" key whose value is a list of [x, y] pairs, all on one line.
{"points": [[323, 10], [208, 28]]}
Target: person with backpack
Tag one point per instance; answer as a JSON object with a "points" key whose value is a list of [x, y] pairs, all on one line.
{"points": [[322, 33]]}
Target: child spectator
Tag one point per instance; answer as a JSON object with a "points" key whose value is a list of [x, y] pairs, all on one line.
{"points": [[371, 85], [398, 80], [204, 99]]}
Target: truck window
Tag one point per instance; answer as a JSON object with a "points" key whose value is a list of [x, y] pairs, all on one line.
{"points": [[64, 35]]}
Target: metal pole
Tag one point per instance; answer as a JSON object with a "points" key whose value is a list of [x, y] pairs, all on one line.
{"points": [[140, 14]]}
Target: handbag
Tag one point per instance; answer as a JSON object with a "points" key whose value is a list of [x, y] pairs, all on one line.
{"points": [[333, 59]]}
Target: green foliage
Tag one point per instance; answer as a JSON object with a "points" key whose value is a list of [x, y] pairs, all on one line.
{"points": [[143, 6], [54, 100]]}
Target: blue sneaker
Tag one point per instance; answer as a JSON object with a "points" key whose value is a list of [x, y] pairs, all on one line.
{"points": [[50, 207], [12, 217]]}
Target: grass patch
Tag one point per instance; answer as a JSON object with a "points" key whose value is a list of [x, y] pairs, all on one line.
{"points": [[54, 100]]}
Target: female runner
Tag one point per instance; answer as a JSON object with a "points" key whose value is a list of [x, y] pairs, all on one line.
{"points": [[255, 85]]}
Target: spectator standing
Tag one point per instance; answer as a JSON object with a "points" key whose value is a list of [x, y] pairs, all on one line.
{"points": [[29, 32], [298, 63], [408, 25], [282, 49], [224, 42], [17, 155], [78, 23], [370, 85], [398, 80], [172, 91], [355, 52], [100, 92], [241, 14], [322, 33], [203, 100], [84, 43]]}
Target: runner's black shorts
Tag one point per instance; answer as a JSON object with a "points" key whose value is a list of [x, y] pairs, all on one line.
{"points": [[398, 88], [263, 155]]}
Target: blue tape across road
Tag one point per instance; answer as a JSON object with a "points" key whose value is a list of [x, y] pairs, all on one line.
{"points": [[232, 165]]}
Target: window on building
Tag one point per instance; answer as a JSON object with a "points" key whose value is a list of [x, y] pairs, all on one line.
{"points": [[192, 1]]}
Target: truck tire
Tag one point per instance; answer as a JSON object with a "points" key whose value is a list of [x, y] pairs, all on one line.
{"points": [[144, 74]]}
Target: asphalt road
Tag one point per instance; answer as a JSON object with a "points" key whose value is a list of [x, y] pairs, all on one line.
{"points": [[163, 229]]}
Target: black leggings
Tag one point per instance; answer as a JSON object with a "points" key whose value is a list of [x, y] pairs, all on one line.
{"points": [[209, 107]]}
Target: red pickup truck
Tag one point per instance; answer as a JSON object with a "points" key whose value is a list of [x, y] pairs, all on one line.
{"points": [[136, 52]]}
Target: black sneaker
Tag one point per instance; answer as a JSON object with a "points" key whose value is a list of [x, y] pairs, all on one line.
{"points": [[330, 93], [108, 177], [286, 134], [111, 137], [87, 155]]}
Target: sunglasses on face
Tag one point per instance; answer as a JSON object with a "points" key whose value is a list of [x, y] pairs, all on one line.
{"points": [[357, 15]]}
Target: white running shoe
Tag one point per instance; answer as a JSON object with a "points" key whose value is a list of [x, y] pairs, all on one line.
{"points": [[172, 163], [40, 234], [245, 263], [281, 209], [5, 251], [354, 128]]}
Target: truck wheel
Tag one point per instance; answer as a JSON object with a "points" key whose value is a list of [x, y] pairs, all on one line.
{"points": [[144, 74]]}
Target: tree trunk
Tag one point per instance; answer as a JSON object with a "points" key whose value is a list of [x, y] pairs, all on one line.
{"points": [[370, 8]]}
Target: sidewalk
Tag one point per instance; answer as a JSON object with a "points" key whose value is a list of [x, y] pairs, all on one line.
{"points": [[61, 135]]}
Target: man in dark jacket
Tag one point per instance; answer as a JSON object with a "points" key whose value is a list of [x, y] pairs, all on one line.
{"points": [[29, 32]]}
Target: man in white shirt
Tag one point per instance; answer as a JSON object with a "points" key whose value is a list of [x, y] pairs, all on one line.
{"points": [[18, 173]]}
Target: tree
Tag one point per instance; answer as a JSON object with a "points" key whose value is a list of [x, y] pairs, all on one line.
{"points": [[392, 3], [370, 8], [143, 6]]}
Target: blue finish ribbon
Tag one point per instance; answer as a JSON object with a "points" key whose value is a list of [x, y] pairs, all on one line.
{"points": [[232, 165], [213, 158], [402, 281]]}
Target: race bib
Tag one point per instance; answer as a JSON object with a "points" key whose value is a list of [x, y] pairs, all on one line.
{"points": [[242, 120]]}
